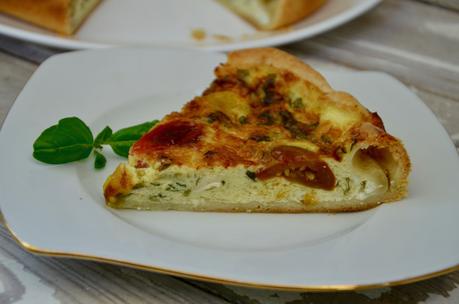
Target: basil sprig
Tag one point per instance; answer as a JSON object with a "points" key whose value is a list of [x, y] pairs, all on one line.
{"points": [[71, 140]]}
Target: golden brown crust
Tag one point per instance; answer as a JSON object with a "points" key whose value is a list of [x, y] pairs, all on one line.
{"points": [[54, 15], [278, 59], [120, 182], [291, 11]]}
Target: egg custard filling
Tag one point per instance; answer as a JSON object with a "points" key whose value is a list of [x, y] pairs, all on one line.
{"points": [[268, 135]]}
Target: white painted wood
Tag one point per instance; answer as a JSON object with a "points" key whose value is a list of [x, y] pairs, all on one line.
{"points": [[26, 278], [416, 42]]}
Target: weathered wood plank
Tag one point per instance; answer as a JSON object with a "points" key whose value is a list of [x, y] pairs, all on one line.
{"points": [[27, 51], [416, 42], [14, 74], [438, 290], [449, 4], [56, 280]]}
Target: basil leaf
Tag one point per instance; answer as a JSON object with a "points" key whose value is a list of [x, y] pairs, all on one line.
{"points": [[100, 160], [103, 136], [69, 140], [122, 140]]}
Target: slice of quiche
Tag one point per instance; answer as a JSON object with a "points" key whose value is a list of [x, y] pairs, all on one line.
{"points": [[268, 135], [273, 14]]}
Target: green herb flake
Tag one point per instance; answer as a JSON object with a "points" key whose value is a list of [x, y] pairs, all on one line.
{"points": [[326, 139], [268, 89], [297, 103], [251, 175], [186, 192], [243, 120], [156, 196], [347, 186], [266, 119], [260, 137], [172, 188], [313, 125], [363, 185], [242, 74]]}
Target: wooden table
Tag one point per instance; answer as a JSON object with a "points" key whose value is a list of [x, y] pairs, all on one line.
{"points": [[416, 42]]}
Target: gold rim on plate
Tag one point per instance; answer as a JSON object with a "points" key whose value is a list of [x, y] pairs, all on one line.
{"points": [[195, 276]]}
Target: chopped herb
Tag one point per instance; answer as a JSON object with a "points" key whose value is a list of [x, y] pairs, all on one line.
{"points": [[186, 192], [326, 139], [223, 182], [347, 186], [243, 120], [156, 196], [363, 185], [156, 184], [296, 128], [268, 89], [260, 137], [218, 116], [313, 125], [242, 74], [297, 103], [251, 175], [266, 118], [181, 185], [172, 188]]}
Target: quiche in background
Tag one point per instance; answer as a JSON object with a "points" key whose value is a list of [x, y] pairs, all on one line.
{"points": [[273, 14], [62, 16]]}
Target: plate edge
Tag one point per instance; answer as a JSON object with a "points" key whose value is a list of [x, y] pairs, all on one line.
{"points": [[196, 276]]}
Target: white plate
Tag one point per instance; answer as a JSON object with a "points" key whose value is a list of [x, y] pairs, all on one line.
{"points": [[170, 23], [59, 210]]}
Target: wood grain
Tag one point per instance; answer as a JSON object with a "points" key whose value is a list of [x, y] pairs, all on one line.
{"points": [[75, 281], [413, 41]]}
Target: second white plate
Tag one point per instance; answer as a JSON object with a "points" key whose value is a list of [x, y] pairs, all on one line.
{"points": [[60, 210], [171, 22]]}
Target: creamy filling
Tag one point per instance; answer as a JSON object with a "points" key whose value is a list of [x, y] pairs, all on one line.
{"points": [[358, 177], [252, 9]]}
